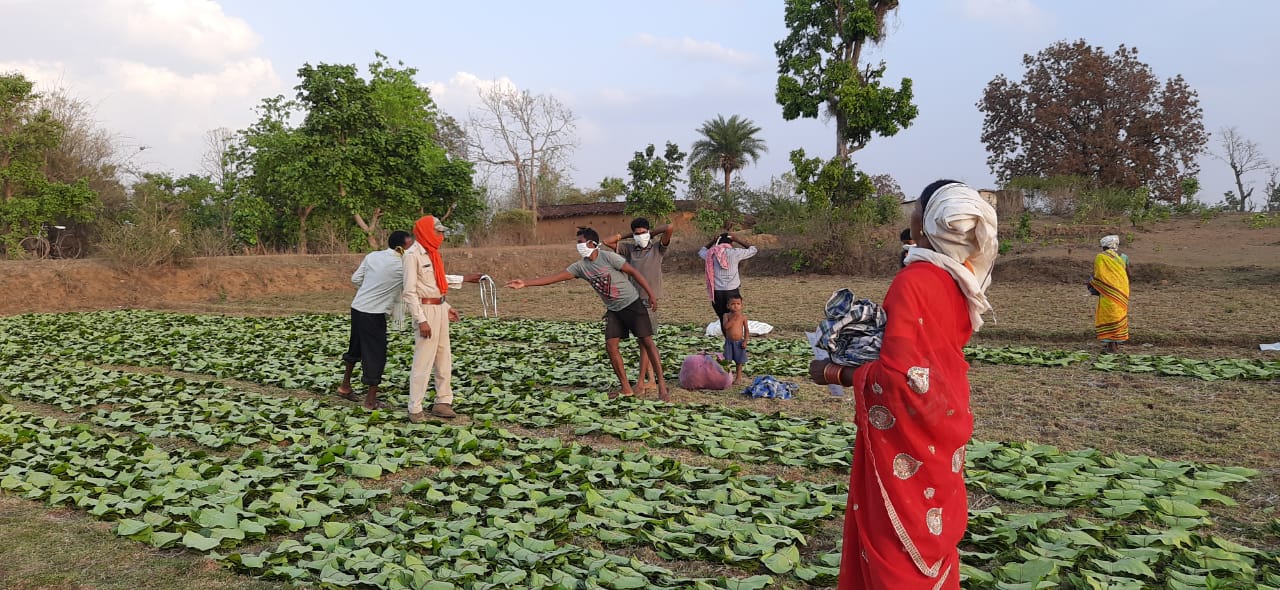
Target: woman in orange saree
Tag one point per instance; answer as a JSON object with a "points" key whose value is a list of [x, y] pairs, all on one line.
{"points": [[1111, 284], [907, 507]]}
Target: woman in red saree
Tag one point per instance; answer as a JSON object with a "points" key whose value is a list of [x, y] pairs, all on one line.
{"points": [[908, 507]]}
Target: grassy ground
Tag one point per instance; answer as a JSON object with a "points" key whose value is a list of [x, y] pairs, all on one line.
{"points": [[1178, 418], [1232, 318], [61, 549]]}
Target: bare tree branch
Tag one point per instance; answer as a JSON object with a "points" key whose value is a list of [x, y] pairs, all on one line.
{"points": [[1243, 156], [527, 136]]}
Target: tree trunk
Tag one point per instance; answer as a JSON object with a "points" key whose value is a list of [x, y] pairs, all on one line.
{"points": [[6, 187], [533, 181], [303, 213], [1244, 199], [370, 228], [842, 143], [728, 173]]}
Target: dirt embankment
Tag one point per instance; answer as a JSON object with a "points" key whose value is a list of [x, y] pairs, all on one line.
{"points": [[1219, 252], [73, 285]]}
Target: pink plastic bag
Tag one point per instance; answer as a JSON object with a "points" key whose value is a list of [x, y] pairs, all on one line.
{"points": [[701, 371]]}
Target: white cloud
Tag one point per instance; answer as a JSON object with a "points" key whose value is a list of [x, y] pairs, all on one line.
{"points": [[245, 78], [694, 49], [44, 73], [197, 29], [1020, 14], [614, 96], [160, 73], [461, 93]]}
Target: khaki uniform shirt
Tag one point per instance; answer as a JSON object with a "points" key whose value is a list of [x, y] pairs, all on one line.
{"points": [[420, 281]]}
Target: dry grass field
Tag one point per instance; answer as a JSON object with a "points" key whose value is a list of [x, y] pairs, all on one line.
{"points": [[1198, 310]]}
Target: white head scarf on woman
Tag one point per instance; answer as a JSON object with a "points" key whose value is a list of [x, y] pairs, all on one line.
{"points": [[1110, 242], [961, 227]]}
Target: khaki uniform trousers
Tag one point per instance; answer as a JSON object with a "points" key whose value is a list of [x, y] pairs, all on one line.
{"points": [[428, 353]]}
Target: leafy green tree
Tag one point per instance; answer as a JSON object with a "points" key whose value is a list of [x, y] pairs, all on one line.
{"points": [[276, 154], [29, 200], [366, 148], [717, 210], [611, 187], [818, 68], [830, 183], [819, 72], [421, 169], [727, 145], [652, 190]]}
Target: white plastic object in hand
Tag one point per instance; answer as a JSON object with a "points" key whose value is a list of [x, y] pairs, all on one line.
{"points": [[488, 295], [754, 327]]}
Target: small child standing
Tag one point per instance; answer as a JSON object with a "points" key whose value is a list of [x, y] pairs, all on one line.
{"points": [[735, 335]]}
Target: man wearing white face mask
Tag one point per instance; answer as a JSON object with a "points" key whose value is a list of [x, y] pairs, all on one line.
{"points": [[645, 251], [625, 315]]}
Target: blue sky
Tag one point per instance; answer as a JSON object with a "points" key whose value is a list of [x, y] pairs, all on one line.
{"points": [[162, 72]]}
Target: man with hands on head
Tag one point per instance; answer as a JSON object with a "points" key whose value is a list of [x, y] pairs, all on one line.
{"points": [[645, 251], [723, 278]]}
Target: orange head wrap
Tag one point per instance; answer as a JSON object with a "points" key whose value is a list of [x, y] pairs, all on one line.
{"points": [[424, 231]]}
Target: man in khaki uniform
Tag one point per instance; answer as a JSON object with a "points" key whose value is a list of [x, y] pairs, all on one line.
{"points": [[425, 288]]}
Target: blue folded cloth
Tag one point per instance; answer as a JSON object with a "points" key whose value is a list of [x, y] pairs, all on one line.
{"points": [[853, 330], [767, 386]]}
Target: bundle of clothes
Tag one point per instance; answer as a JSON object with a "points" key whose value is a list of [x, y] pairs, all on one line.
{"points": [[852, 332]]}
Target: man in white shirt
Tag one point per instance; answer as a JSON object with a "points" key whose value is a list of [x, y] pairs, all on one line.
{"points": [[425, 287], [379, 281]]}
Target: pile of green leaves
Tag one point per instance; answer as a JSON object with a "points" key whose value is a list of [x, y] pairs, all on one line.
{"points": [[169, 498], [1209, 370], [487, 507], [1057, 550]]}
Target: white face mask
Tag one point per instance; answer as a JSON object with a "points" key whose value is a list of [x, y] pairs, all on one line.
{"points": [[642, 240], [584, 250]]}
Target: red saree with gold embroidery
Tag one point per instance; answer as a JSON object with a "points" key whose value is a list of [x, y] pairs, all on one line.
{"points": [[907, 506]]}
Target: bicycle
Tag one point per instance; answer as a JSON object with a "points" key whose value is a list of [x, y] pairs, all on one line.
{"points": [[39, 247]]}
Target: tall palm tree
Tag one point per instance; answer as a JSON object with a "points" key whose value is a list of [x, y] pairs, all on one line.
{"points": [[726, 145]]}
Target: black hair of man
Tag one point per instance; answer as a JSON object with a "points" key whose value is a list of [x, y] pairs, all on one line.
{"points": [[733, 296], [638, 223], [933, 187], [724, 239], [589, 234], [397, 239], [905, 236]]}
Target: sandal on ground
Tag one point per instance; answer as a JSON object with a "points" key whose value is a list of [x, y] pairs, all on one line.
{"points": [[351, 397]]}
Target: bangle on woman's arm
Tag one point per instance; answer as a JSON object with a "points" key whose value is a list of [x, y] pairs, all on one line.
{"points": [[831, 376], [842, 375]]}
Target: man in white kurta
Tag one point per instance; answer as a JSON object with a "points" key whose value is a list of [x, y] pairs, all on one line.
{"points": [[431, 316]]}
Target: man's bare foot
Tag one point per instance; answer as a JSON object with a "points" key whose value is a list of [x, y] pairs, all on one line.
{"points": [[345, 390], [624, 392]]}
